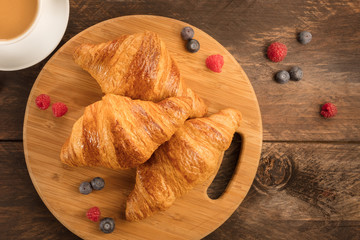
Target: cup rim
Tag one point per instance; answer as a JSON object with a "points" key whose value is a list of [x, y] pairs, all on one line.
{"points": [[27, 32]]}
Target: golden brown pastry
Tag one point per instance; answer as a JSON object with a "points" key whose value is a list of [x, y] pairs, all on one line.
{"points": [[121, 133], [190, 157], [137, 66]]}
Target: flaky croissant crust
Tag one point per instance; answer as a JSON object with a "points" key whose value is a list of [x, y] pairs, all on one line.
{"points": [[138, 66], [121, 133], [190, 157]]}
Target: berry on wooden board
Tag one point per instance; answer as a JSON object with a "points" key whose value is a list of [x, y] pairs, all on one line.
{"points": [[107, 225], [97, 183], [215, 62], [192, 45], [59, 109], [93, 214], [42, 101], [85, 188], [187, 33]]}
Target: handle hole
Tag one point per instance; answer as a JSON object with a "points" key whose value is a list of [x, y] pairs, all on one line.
{"points": [[227, 168]]}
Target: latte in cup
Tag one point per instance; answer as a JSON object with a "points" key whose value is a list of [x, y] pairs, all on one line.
{"points": [[17, 18]]}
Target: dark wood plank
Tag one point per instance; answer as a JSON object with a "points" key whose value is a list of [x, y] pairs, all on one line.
{"points": [[330, 62], [331, 71], [14, 89], [319, 198], [245, 28], [22, 213], [226, 169], [302, 191]]}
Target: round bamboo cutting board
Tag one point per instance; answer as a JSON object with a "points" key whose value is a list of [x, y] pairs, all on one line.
{"points": [[194, 215]]}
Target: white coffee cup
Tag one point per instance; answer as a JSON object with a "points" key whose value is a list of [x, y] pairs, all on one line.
{"points": [[28, 31]]}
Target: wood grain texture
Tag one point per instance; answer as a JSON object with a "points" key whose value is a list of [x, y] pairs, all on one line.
{"points": [[319, 202], [330, 62], [14, 87], [65, 81], [22, 213], [332, 72], [246, 28]]}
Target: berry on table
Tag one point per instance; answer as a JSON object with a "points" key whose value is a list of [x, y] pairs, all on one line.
{"points": [[296, 73], [93, 214], [215, 62], [282, 77], [328, 110], [305, 37], [85, 188], [187, 33], [107, 225], [192, 45], [97, 183], [277, 51], [59, 109], [42, 101]]}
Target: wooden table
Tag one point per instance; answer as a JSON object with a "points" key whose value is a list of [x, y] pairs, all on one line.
{"points": [[308, 182]]}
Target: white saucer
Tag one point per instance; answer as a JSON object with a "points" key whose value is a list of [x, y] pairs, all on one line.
{"points": [[46, 35]]}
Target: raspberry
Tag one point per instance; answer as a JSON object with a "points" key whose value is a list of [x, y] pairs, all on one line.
{"points": [[328, 110], [93, 214], [277, 51], [42, 101], [215, 62], [59, 109]]}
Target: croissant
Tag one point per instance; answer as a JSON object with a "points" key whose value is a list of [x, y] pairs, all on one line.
{"points": [[137, 66], [121, 133], [190, 157]]}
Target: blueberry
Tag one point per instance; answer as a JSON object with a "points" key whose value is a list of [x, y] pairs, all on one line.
{"points": [[107, 225], [192, 45], [97, 183], [296, 73], [282, 77], [187, 33], [305, 37], [85, 188]]}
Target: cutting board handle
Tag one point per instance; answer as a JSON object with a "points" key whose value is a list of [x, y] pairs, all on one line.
{"points": [[235, 189]]}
